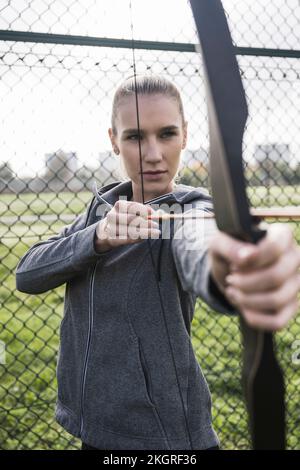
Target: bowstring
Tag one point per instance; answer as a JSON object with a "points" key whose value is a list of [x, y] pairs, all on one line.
{"points": [[136, 101], [148, 240]]}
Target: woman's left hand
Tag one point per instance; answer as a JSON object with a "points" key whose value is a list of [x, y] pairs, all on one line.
{"points": [[263, 280]]}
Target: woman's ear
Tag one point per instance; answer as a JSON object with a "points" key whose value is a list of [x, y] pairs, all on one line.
{"points": [[113, 141], [184, 134]]}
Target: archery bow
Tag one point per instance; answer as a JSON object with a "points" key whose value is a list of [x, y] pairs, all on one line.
{"points": [[227, 113]]}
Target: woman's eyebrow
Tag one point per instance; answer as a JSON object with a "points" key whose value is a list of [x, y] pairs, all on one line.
{"points": [[131, 131], [170, 128], [136, 131]]}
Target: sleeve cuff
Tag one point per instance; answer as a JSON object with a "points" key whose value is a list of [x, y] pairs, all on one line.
{"points": [[211, 294], [215, 292], [84, 248]]}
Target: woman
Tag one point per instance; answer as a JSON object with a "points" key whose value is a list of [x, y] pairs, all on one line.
{"points": [[127, 374]]}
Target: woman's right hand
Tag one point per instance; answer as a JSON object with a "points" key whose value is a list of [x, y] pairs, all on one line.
{"points": [[126, 223]]}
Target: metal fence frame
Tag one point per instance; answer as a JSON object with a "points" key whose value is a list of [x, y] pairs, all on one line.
{"points": [[9, 35]]}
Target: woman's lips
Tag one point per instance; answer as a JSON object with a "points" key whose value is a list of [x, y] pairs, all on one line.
{"points": [[153, 175]]}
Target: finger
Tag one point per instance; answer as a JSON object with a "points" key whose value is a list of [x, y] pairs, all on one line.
{"points": [[115, 228], [245, 256], [123, 231], [130, 207], [233, 251], [269, 278], [138, 221], [134, 234], [143, 233], [271, 300], [278, 240], [121, 218], [263, 321]]}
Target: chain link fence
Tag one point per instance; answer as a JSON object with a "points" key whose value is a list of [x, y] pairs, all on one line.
{"points": [[60, 62]]}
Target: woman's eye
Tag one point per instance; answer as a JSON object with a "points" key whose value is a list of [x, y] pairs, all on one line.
{"points": [[168, 134], [134, 137]]}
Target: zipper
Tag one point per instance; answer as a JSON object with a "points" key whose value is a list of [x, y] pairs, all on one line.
{"points": [[88, 343]]}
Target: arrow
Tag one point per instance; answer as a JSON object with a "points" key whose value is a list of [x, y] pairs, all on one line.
{"points": [[292, 213]]}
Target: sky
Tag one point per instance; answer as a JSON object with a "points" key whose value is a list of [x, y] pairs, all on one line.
{"points": [[54, 96]]}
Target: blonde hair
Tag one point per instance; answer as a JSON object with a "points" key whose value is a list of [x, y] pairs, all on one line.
{"points": [[144, 85]]}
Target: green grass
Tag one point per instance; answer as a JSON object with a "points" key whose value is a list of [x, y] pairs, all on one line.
{"points": [[217, 342], [30, 327], [274, 196], [44, 203]]}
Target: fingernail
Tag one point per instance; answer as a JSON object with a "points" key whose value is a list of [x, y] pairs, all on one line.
{"points": [[230, 279], [245, 252]]}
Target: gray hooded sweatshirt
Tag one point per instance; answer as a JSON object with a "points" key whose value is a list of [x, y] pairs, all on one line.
{"points": [[117, 384]]}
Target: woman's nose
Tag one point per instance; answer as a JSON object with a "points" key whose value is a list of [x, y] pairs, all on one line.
{"points": [[152, 152]]}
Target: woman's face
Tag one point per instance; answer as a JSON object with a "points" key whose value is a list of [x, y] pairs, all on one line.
{"points": [[162, 137]]}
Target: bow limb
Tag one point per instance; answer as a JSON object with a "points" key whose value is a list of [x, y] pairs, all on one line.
{"points": [[227, 113]]}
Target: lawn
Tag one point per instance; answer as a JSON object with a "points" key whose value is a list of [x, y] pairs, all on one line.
{"points": [[30, 327]]}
